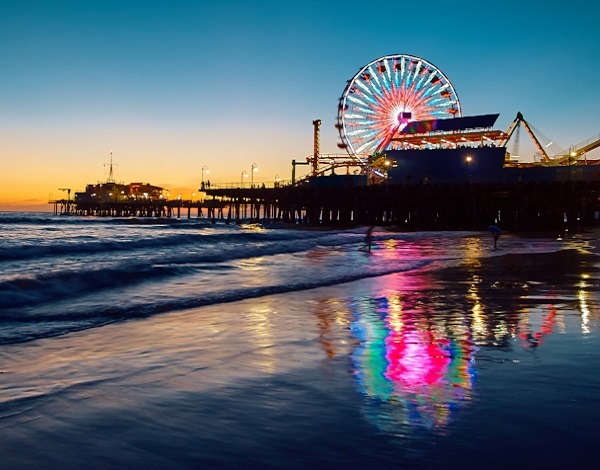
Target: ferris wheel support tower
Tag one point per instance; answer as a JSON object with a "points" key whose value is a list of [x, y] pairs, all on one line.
{"points": [[316, 146]]}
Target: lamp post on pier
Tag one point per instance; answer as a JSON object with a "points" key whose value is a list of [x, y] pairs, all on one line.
{"points": [[207, 171], [468, 160], [244, 175], [571, 157], [254, 168]]}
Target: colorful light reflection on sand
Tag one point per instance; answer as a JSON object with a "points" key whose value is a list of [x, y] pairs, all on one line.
{"points": [[417, 333], [426, 369]]}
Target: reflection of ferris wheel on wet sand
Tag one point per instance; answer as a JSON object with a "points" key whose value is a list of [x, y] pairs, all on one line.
{"points": [[384, 96]]}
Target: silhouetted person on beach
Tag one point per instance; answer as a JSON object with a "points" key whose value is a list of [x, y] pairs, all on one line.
{"points": [[495, 233], [369, 238]]}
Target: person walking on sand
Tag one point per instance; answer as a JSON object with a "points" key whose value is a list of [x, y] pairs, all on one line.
{"points": [[369, 237], [495, 233]]}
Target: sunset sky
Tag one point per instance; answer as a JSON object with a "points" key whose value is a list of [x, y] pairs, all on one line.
{"points": [[170, 86]]}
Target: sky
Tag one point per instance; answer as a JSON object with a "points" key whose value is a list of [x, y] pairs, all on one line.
{"points": [[172, 86]]}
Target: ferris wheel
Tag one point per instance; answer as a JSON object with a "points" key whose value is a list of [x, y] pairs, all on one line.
{"points": [[384, 96]]}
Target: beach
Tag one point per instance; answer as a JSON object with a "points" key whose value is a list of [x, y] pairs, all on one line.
{"points": [[431, 350]]}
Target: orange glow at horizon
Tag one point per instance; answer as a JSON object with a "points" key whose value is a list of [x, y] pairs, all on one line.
{"points": [[172, 159]]}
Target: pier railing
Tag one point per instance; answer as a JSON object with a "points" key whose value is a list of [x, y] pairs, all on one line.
{"points": [[248, 185]]}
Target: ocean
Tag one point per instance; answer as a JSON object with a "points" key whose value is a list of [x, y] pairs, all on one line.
{"points": [[177, 343]]}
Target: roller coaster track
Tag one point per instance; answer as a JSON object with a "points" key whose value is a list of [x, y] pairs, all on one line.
{"points": [[576, 151]]}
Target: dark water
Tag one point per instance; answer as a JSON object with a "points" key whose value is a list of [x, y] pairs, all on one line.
{"points": [[130, 344]]}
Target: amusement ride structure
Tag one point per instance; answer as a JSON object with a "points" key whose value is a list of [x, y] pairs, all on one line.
{"points": [[402, 102], [385, 95]]}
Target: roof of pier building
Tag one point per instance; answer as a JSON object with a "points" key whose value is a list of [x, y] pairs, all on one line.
{"points": [[449, 132]]}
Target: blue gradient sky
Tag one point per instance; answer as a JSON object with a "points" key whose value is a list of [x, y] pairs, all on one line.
{"points": [[171, 86]]}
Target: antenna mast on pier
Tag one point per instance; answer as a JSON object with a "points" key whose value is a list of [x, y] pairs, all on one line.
{"points": [[111, 176]]}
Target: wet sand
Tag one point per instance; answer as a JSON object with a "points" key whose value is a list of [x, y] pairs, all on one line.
{"points": [[497, 364]]}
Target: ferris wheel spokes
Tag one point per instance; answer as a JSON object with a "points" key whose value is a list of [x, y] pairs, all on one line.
{"points": [[388, 93]]}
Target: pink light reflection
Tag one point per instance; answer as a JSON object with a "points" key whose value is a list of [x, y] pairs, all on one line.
{"points": [[415, 359]]}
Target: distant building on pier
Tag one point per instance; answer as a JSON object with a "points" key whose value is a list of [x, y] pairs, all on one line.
{"points": [[111, 192]]}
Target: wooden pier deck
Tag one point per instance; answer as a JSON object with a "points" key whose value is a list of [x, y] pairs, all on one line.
{"points": [[514, 206]]}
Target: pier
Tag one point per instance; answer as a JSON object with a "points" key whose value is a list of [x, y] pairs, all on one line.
{"points": [[211, 209], [467, 206]]}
